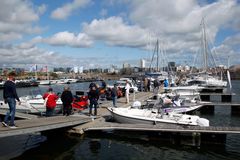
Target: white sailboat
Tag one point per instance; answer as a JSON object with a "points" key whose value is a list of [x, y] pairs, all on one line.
{"points": [[205, 78]]}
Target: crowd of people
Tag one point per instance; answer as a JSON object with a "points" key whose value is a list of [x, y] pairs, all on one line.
{"points": [[94, 93]]}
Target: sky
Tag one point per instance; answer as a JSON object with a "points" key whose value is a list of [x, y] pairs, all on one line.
{"points": [[102, 33]]}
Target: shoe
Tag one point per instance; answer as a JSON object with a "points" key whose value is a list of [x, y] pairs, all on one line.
{"points": [[13, 127], [4, 124]]}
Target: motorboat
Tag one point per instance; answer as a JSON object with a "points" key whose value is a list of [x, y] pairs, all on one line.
{"points": [[121, 84], [146, 116], [171, 102], [35, 104]]}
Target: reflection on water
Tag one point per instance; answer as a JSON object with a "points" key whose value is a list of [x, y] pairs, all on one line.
{"points": [[121, 146]]}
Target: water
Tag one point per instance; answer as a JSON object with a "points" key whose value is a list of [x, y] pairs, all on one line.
{"points": [[120, 145]]}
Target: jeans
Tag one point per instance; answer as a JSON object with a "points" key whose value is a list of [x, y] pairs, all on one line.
{"points": [[11, 113], [49, 112], [93, 103], [114, 100]]}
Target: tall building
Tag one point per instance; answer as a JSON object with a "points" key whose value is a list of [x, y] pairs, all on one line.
{"points": [[142, 63], [126, 65]]}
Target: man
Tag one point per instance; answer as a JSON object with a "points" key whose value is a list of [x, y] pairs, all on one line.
{"points": [[10, 96], [67, 99], [127, 87], [114, 95], [93, 96]]}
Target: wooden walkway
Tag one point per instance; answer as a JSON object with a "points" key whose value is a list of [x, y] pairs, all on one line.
{"points": [[100, 125], [43, 124], [19, 115]]}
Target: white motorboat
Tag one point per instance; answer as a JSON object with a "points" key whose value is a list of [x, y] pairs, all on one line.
{"points": [[35, 104], [145, 116], [121, 84], [44, 82], [32, 104]]}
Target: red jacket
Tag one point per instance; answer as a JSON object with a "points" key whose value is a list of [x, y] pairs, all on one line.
{"points": [[52, 98]]}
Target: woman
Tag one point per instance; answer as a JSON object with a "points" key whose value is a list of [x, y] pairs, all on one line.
{"points": [[51, 99]]}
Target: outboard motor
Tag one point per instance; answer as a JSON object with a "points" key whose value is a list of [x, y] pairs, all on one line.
{"points": [[136, 104]]}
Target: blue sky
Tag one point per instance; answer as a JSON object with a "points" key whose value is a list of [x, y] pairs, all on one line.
{"points": [[93, 33]]}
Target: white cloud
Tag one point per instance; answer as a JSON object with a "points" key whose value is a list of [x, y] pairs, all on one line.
{"points": [[65, 39], [16, 17], [114, 31], [67, 9]]}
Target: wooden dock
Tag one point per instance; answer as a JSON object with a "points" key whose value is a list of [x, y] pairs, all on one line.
{"points": [[19, 115], [81, 123], [43, 124], [212, 133]]}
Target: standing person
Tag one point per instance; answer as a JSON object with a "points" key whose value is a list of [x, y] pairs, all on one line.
{"points": [[104, 85], [165, 83], [67, 99], [127, 87], [93, 97], [114, 95], [10, 96], [146, 84], [51, 98]]}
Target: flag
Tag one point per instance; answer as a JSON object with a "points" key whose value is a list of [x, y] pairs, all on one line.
{"points": [[44, 69], [33, 68]]}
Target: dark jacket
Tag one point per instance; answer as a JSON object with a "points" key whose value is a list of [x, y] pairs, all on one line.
{"points": [[67, 97], [93, 95], [114, 92], [9, 90]]}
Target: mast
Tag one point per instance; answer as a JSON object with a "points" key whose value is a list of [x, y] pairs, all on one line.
{"points": [[157, 55], [205, 52]]}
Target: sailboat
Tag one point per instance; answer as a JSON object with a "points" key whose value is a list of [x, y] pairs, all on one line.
{"points": [[155, 72], [206, 78]]}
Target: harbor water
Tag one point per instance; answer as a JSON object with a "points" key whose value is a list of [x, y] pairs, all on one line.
{"points": [[119, 145]]}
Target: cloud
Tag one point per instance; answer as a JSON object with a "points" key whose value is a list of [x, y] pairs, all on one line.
{"points": [[16, 18], [178, 21], [66, 10], [63, 39], [114, 31], [13, 55]]}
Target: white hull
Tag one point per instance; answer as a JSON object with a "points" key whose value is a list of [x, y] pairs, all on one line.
{"points": [[142, 116]]}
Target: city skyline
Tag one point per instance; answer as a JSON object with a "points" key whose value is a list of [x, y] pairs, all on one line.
{"points": [[94, 34]]}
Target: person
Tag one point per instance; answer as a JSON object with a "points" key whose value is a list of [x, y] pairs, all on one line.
{"points": [[149, 85], [165, 83], [156, 86], [67, 99], [127, 88], [104, 85], [93, 97], [146, 84], [10, 96], [114, 95], [51, 98]]}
